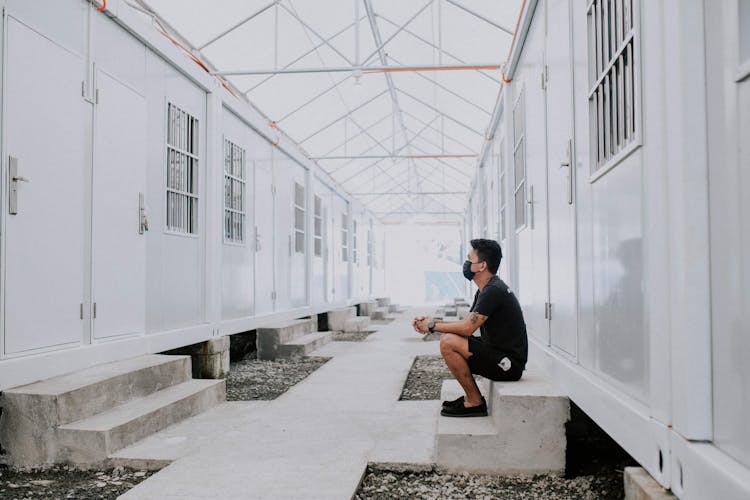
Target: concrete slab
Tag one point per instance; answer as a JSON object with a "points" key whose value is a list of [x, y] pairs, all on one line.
{"points": [[639, 485], [314, 441]]}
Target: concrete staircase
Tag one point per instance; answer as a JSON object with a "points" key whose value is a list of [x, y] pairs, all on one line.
{"points": [[85, 416], [288, 339], [345, 319], [523, 434]]}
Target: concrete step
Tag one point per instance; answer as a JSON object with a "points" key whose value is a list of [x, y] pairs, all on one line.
{"points": [[357, 324], [383, 301], [270, 337], [451, 390], [524, 434], [366, 308], [380, 313], [337, 317], [93, 439], [302, 346], [31, 413]]}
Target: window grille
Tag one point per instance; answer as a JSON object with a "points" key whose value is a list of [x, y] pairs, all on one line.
{"points": [[344, 237], [318, 227], [519, 160], [234, 192], [354, 241], [182, 171], [612, 78], [299, 218]]}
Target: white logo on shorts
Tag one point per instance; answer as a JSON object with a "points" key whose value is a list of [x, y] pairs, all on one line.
{"points": [[504, 364]]}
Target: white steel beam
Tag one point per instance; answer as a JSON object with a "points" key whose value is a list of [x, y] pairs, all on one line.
{"points": [[439, 48], [290, 64], [237, 25], [436, 110], [313, 99], [479, 16], [345, 115], [394, 156], [380, 46], [314, 32], [364, 69]]}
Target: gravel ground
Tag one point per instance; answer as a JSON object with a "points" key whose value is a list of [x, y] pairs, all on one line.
{"points": [[425, 378], [251, 379], [60, 482], [383, 482], [351, 336]]}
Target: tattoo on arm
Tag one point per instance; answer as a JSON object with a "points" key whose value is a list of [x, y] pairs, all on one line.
{"points": [[474, 318]]}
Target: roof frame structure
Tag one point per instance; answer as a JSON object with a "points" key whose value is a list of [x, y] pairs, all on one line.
{"points": [[425, 161]]}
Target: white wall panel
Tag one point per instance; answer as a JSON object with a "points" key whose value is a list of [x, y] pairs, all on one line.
{"points": [[237, 269], [729, 180]]}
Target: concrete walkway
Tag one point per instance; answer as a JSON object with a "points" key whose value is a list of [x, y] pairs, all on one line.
{"points": [[315, 440]]}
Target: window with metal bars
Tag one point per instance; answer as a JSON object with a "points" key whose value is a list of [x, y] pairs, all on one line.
{"points": [[182, 171], [354, 241], [234, 192], [318, 227], [519, 160], [613, 85], [344, 237], [299, 218]]}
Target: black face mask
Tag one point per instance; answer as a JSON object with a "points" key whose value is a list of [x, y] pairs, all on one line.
{"points": [[468, 273]]}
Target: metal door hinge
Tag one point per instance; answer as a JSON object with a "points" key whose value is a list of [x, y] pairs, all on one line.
{"points": [[543, 77], [547, 310], [94, 310], [81, 310], [273, 295]]}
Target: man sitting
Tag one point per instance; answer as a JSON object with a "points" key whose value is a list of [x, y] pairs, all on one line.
{"points": [[501, 352]]}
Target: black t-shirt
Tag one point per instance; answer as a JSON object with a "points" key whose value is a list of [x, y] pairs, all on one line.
{"points": [[505, 329]]}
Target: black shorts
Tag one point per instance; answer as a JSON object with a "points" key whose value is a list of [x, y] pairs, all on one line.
{"points": [[490, 363]]}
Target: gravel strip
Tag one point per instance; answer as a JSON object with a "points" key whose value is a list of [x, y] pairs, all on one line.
{"points": [[382, 482], [425, 378], [67, 482], [351, 336], [251, 379]]}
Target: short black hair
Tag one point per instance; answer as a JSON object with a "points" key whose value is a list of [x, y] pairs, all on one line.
{"points": [[488, 251]]}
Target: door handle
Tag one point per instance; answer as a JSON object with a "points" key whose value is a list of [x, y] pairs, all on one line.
{"points": [[13, 185], [569, 164]]}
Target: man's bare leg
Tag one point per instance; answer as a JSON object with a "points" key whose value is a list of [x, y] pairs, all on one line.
{"points": [[455, 351]]}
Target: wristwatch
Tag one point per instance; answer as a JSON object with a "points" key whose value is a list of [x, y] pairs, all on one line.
{"points": [[431, 326]]}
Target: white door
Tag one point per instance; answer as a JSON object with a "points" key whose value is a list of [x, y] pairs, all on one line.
{"points": [[264, 242], [560, 176], [530, 185], [46, 122], [299, 209], [119, 183]]}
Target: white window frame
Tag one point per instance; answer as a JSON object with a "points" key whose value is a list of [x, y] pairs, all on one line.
{"points": [[519, 152], [235, 189], [614, 69], [344, 237], [182, 173], [354, 241], [743, 39], [299, 205], [370, 247], [502, 179], [318, 219]]}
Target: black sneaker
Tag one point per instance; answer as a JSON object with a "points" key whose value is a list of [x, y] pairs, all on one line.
{"points": [[455, 402], [462, 411]]}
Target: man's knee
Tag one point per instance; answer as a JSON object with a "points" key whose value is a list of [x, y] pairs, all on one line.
{"points": [[449, 342]]}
